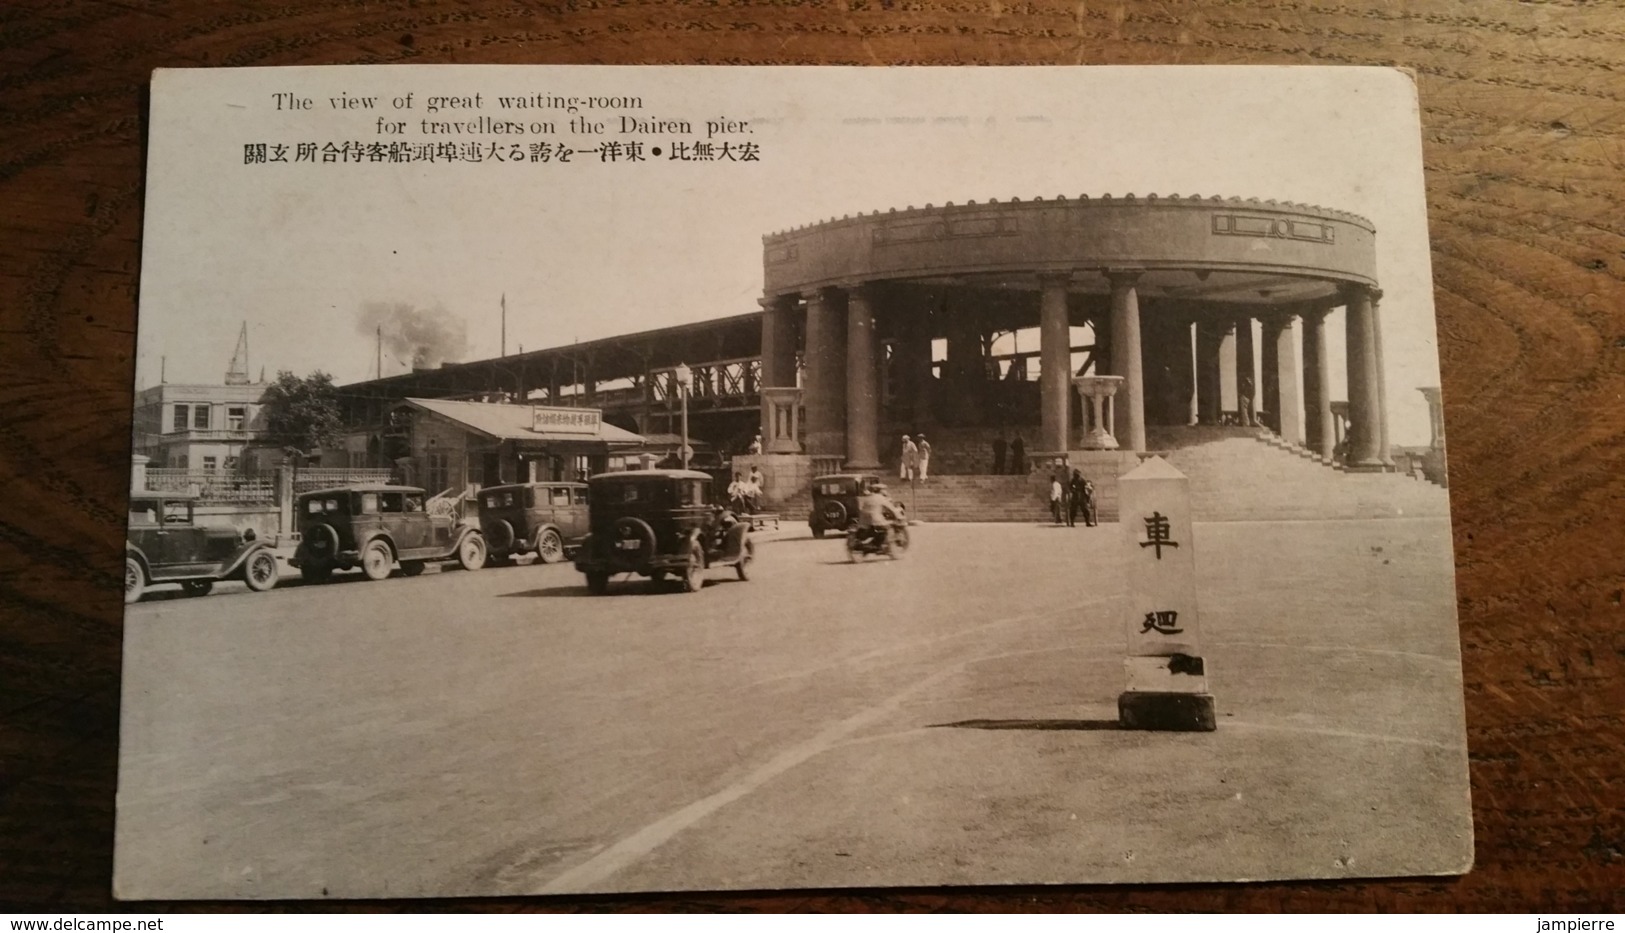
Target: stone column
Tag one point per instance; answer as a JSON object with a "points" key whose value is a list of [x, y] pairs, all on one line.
{"points": [[1319, 431], [1246, 390], [1271, 371], [1055, 366], [914, 344], [1435, 416], [1188, 355], [825, 392], [1209, 374], [1126, 360], [1229, 374], [862, 396], [1365, 399], [778, 352], [138, 471], [1286, 378], [1384, 451]]}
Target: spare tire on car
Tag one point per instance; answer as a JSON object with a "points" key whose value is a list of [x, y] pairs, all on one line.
{"points": [[632, 528]]}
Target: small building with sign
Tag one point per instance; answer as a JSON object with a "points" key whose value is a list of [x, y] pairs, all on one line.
{"points": [[456, 446]]}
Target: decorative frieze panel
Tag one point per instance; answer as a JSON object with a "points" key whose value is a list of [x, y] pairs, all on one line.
{"points": [[942, 229], [1281, 227]]}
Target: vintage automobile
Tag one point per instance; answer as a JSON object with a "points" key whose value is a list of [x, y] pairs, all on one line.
{"points": [[163, 545], [373, 526], [835, 500], [549, 519], [660, 522]]}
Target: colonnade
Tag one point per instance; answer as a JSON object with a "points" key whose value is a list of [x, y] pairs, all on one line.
{"points": [[841, 392]]}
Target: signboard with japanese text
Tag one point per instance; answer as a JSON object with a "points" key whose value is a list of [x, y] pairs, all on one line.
{"points": [[545, 420]]}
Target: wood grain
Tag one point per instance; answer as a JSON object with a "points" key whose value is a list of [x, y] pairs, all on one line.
{"points": [[1524, 114]]}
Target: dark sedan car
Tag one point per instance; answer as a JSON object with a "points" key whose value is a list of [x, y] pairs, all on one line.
{"points": [[164, 545], [835, 501], [549, 519], [660, 522], [373, 527]]}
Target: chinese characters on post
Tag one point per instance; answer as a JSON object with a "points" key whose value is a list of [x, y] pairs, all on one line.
{"points": [[1166, 678]]}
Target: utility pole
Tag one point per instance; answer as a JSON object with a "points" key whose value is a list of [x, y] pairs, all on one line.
{"points": [[504, 324]]}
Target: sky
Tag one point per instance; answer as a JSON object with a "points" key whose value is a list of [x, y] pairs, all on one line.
{"points": [[305, 253]]}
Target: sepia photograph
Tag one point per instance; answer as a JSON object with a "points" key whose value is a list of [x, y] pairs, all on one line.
{"points": [[573, 479]]}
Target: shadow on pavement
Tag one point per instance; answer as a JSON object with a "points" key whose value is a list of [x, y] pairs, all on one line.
{"points": [[634, 587], [1072, 725]]}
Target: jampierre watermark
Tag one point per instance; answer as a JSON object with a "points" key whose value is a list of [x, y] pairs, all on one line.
{"points": [[1542, 925]]}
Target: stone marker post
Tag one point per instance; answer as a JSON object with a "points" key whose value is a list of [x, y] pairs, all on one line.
{"points": [[1167, 681]]}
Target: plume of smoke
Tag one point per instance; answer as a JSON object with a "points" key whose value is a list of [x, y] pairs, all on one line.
{"points": [[422, 338]]}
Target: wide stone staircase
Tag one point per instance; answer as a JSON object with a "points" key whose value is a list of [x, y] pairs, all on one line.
{"points": [[968, 498], [959, 451], [1236, 474], [1240, 474]]}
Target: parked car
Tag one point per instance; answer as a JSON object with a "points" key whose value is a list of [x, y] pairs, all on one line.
{"points": [[164, 545], [549, 519], [835, 501], [660, 522], [373, 527]]}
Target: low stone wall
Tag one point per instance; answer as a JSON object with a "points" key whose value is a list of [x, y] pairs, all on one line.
{"points": [[783, 475]]}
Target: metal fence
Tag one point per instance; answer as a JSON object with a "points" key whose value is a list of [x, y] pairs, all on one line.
{"points": [[226, 487], [214, 485], [323, 478]]}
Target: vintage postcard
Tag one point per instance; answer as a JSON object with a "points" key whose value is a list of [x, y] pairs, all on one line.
{"points": [[610, 479]]}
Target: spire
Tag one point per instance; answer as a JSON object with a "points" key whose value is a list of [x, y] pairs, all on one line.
{"points": [[237, 373]]}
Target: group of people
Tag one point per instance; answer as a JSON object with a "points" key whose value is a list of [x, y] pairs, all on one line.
{"points": [[745, 495], [1018, 455], [1074, 497], [916, 459]]}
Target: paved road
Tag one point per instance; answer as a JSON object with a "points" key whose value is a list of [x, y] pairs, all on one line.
{"points": [[945, 718]]}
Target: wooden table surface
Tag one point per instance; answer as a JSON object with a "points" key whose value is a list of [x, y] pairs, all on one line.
{"points": [[1524, 132]]}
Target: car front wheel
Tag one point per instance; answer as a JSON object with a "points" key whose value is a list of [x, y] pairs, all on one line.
{"points": [[377, 561], [261, 572], [135, 581], [744, 559], [471, 553]]}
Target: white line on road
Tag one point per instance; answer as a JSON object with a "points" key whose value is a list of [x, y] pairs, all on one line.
{"points": [[590, 873], [977, 629]]}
